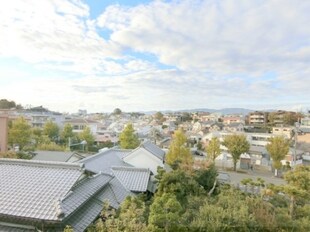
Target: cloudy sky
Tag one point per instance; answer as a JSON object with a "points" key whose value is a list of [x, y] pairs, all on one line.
{"points": [[155, 55]]}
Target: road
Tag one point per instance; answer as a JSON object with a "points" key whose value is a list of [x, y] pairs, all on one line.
{"points": [[268, 177]]}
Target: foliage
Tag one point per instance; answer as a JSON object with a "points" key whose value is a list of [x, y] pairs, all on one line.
{"points": [[51, 129], [178, 152], [165, 213], [236, 145], [278, 148], [128, 139], [20, 133], [6, 104], [179, 183], [86, 135], [117, 111], [67, 133], [52, 146], [15, 155], [206, 177], [159, 116], [213, 149]]}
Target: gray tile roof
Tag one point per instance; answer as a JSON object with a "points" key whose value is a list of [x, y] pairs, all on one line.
{"points": [[52, 156], [82, 191], [134, 179], [4, 228], [103, 161], [85, 202], [31, 189], [155, 150]]}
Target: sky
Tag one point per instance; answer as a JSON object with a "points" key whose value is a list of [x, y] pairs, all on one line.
{"points": [[155, 55]]}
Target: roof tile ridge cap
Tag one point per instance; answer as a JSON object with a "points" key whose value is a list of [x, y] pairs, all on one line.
{"points": [[130, 168], [41, 162]]}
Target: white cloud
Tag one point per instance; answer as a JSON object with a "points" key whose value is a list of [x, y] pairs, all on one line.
{"points": [[223, 36]]}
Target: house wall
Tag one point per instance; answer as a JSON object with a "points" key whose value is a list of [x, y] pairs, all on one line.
{"points": [[3, 133], [141, 158]]}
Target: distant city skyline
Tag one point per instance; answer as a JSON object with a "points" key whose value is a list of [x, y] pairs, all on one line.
{"points": [[135, 55]]}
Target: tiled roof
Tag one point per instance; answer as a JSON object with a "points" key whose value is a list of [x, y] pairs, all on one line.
{"points": [[81, 192], [134, 179], [52, 156], [88, 197], [103, 161], [155, 150], [4, 228], [31, 189]]}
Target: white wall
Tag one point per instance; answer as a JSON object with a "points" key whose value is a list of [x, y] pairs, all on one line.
{"points": [[142, 158]]}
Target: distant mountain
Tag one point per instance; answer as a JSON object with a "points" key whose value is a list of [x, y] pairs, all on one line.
{"points": [[221, 111]]}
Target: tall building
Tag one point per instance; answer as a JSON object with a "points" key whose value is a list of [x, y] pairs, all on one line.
{"points": [[3, 133]]}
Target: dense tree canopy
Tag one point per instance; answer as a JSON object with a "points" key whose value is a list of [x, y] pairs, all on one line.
{"points": [[6, 104], [86, 135], [128, 139], [51, 130], [20, 133]]}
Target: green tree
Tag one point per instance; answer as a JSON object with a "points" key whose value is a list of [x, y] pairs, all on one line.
{"points": [[51, 129], [165, 213], [20, 133], [128, 139], [236, 145], [278, 148], [159, 116], [6, 104], [117, 111], [178, 151], [213, 149], [86, 135], [67, 133]]}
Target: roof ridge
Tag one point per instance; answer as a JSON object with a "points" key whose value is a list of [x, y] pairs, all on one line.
{"points": [[130, 168], [50, 164]]}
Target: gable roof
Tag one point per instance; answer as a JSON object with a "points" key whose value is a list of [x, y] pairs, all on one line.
{"points": [[103, 161], [134, 179], [52, 156], [155, 150], [31, 189]]}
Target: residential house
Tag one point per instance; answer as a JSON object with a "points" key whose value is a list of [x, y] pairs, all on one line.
{"points": [[286, 131], [147, 155], [47, 196], [257, 118]]}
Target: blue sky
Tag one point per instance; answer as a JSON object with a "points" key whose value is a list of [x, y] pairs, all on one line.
{"points": [[155, 55]]}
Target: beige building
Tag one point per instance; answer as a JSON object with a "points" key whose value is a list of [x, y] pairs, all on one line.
{"points": [[3, 133], [282, 130], [258, 118]]}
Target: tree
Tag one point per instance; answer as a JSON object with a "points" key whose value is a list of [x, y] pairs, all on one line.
{"points": [[278, 148], [213, 149], [165, 213], [159, 116], [236, 145], [86, 135], [117, 111], [5, 104], [20, 133], [178, 151], [67, 133], [51, 129], [128, 139]]}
